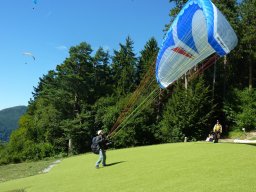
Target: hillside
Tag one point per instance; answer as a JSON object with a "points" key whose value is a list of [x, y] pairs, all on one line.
{"points": [[9, 120], [193, 167]]}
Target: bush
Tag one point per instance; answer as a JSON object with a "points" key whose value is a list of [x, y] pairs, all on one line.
{"points": [[3, 156], [46, 150], [236, 134], [188, 113], [240, 109], [34, 151]]}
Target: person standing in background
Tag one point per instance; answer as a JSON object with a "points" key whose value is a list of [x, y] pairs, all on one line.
{"points": [[217, 130]]}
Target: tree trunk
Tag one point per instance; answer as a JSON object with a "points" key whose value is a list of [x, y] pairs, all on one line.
{"points": [[224, 84], [69, 147], [214, 78], [158, 105], [186, 81]]}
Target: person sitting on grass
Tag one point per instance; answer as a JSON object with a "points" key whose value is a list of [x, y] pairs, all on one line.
{"points": [[210, 137]]}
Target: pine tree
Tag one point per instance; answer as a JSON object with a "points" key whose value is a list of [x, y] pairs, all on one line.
{"points": [[103, 79], [188, 113], [147, 59], [124, 68]]}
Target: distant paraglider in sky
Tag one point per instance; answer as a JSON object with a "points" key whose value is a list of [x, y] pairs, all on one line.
{"points": [[29, 54], [35, 2], [198, 31]]}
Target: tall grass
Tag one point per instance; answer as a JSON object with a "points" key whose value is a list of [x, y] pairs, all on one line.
{"points": [[14, 171], [193, 167]]}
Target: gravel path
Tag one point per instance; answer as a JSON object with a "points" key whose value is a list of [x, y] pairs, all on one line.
{"points": [[46, 170]]}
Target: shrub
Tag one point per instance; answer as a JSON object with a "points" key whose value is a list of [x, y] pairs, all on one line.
{"points": [[240, 109]]}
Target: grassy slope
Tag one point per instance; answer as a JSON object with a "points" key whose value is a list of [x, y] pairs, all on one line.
{"points": [[193, 167], [14, 171]]}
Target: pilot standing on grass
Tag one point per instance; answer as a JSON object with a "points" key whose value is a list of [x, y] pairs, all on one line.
{"points": [[103, 142], [217, 129]]}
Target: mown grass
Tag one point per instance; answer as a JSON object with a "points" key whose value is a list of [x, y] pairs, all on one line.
{"points": [[193, 167]]}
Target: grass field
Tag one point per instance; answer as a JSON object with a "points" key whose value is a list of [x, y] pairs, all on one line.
{"points": [[20, 170], [180, 167]]}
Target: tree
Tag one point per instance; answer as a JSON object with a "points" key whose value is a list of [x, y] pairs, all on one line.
{"points": [[124, 68], [240, 109], [76, 76], [248, 37], [188, 113], [105, 111], [137, 126], [103, 79], [147, 59]]}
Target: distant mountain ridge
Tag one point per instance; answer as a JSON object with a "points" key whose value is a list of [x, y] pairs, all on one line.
{"points": [[9, 119]]}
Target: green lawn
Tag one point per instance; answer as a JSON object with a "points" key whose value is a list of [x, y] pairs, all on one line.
{"points": [[20, 170], [188, 167]]}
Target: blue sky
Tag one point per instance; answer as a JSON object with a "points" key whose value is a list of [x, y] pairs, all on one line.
{"points": [[50, 27]]}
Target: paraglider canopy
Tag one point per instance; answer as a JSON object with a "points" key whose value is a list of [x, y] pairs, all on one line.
{"points": [[29, 54], [35, 2], [198, 31]]}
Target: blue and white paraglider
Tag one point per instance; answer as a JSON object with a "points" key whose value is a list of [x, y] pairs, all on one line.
{"points": [[198, 31], [35, 2]]}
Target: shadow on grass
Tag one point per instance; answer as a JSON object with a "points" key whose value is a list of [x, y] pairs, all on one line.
{"points": [[17, 190], [114, 163], [251, 144]]}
